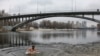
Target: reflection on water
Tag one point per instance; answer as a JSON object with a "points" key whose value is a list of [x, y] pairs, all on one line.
{"points": [[98, 33], [14, 39], [48, 37], [68, 36], [56, 35], [81, 33]]}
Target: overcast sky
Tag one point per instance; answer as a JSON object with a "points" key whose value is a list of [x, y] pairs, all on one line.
{"points": [[44, 6]]}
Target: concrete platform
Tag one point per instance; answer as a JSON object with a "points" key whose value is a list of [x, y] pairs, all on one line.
{"points": [[13, 51], [20, 51], [55, 50], [45, 50]]}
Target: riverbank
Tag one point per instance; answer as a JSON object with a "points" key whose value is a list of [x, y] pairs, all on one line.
{"points": [[40, 29], [91, 49], [20, 30]]}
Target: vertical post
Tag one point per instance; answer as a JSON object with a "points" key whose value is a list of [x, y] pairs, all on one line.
{"points": [[13, 22], [26, 24], [29, 23], [10, 22], [92, 16], [82, 15], [19, 20], [22, 19], [16, 20], [7, 22], [3, 22], [0, 22]]}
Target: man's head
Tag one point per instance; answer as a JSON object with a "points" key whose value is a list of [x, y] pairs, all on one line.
{"points": [[33, 47]]}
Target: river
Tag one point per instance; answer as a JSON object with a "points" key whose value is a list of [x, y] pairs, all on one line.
{"points": [[51, 37]]}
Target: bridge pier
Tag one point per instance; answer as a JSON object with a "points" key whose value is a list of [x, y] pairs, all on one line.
{"points": [[98, 27], [93, 16], [22, 19], [10, 22]]}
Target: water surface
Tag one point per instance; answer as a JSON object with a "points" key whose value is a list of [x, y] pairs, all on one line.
{"points": [[50, 36]]}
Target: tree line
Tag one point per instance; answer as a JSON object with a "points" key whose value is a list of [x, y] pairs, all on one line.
{"points": [[47, 24]]}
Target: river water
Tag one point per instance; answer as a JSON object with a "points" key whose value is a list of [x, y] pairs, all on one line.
{"points": [[65, 36], [50, 37]]}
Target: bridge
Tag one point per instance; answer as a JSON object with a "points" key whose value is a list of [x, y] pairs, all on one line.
{"points": [[32, 17]]}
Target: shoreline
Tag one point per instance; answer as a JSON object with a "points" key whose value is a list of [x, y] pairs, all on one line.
{"points": [[19, 30]]}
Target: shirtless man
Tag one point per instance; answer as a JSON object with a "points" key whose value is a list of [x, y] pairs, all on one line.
{"points": [[30, 51]]}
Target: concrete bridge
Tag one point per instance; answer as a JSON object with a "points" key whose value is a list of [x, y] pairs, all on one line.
{"points": [[32, 17]]}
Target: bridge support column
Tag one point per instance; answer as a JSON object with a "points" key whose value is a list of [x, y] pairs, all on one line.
{"points": [[82, 15], [93, 16], [6, 22], [9, 22], [22, 19], [19, 20], [98, 26], [12, 22], [3, 22]]}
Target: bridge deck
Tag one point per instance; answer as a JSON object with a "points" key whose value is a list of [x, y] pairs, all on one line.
{"points": [[57, 13]]}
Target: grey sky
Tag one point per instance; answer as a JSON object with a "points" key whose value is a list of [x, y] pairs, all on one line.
{"points": [[35, 6]]}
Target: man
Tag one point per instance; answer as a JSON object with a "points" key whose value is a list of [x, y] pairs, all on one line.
{"points": [[30, 51]]}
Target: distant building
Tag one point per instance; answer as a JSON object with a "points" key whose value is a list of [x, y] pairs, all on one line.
{"points": [[78, 25], [97, 10], [3, 13], [84, 24], [72, 24], [93, 26]]}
